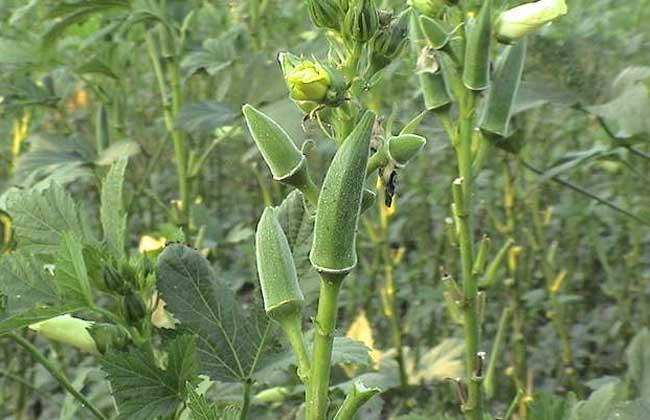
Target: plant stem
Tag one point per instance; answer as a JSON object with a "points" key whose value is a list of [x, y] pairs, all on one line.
{"points": [[353, 401], [462, 188], [318, 387], [297, 342], [57, 374], [246, 403], [171, 105]]}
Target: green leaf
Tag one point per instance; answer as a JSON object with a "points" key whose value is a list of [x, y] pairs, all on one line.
{"points": [[229, 343], [600, 402], [41, 218], [344, 351], [113, 214], [638, 361], [630, 410], [298, 226], [71, 274], [200, 408], [549, 407], [143, 390], [626, 114], [117, 151], [28, 293], [204, 117]]}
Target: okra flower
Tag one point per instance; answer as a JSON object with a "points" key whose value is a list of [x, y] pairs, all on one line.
{"points": [[523, 20], [308, 81]]}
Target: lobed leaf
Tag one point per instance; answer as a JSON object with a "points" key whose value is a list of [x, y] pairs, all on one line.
{"points": [[229, 343]]}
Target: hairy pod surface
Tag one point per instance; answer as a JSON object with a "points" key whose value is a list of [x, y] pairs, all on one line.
{"points": [[434, 32], [278, 150], [339, 204], [404, 147], [476, 71], [276, 270], [495, 119]]}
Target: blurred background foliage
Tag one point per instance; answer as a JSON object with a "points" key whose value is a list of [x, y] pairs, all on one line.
{"points": [[583, 118]]}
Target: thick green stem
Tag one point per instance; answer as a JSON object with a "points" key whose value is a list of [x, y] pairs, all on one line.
{"points": [[462, 188], [319, 379], [57, 374], [246, 402]]}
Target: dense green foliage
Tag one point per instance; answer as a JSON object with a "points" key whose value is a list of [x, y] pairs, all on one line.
{"points": [[131, 188]]}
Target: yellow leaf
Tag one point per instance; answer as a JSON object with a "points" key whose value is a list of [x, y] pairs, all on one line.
{"points": [[360, 330]]}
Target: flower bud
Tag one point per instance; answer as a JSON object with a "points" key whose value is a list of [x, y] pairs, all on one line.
{"points": [[108, 336], [325, 13], [113, 280], [68, 330], [309, 81], [361, 20], [134, 308], [523, 20], [278, 150], [404, 147], [334, 246], [276, 269], [389, 41]]}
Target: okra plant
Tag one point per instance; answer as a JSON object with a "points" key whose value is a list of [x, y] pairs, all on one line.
{"points": [[472, 96], [363, 41]]}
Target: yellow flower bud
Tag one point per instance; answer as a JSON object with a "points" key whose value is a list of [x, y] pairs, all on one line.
{"points": [[308, 81], [68, 330], [525, 19]]}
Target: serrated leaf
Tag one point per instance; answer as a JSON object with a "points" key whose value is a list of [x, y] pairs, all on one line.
{"points": [[638, 361], [113, 214], [70, 273], [117, 151], [204, 117], [200, 408], [41, 218], [28, 293], [298, 225], [229, 343], [143, 390]]}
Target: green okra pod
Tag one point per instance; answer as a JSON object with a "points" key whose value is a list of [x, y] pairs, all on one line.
{"points": [[476, 70], [275, 266], [495, 119], [278, 150], [401, 149], [339, 204], [434, 32]]}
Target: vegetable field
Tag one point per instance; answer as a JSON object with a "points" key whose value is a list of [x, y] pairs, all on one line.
{"points": [[325, 209]]}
